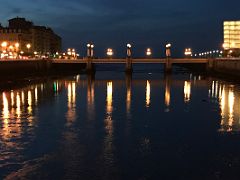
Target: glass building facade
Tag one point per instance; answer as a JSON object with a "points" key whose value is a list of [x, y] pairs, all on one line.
{"points": [[231, 35]]}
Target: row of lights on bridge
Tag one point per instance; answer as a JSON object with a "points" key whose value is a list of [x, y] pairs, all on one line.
{"points": [[110, 51], [188, 52]]}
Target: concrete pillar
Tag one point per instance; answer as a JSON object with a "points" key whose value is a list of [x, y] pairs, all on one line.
{"points": [[168, 65], [90, 80], [210, 65], [128, 65], [90, 66], [129, 59]]}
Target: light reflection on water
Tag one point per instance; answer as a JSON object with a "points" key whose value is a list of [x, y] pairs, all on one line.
{"points": [[187, 91], [20, 119], [148, 94], [71, 99], [228, 97], [17, 123], [109, 109]]}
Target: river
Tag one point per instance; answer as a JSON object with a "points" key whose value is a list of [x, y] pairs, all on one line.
{"points": [[115, 126]]}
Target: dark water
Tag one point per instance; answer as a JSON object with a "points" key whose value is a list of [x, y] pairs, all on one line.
{"points": [[148, 126]]}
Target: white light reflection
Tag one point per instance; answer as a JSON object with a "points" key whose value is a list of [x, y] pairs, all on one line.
{"points": [[71, 94], [109, 109], [91, 99], [5, 106], [6, 115], [187, 91], [12, 98], [230, 108], [23, 98], [128, 100], [18, 106], [108, 140], [168, 93], [148, 94], [36, 95], [29, 102]]}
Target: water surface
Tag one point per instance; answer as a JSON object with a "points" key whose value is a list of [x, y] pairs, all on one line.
{"points": [[116, 126]]}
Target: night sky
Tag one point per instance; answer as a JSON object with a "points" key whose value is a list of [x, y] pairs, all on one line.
{"points": [[111, 23]]}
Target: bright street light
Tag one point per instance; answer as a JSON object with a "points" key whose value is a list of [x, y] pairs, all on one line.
{"points": [[17, 45], [188, 52], [168, 45], [129, 45], [4, 44], [109, 52], [149, 52]]}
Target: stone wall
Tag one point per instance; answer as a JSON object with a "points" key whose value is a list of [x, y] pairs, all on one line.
{"points": [[226, 66], [15, 67]]}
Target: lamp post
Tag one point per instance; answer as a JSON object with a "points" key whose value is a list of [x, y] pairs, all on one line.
{"points": [[129, 52], [74, 53], [4, 45], [168, 65], [168, 50], [91, 54], [149, 52], [4, 49], [129, 59], [188, 52], [28, 47], [17, 48], [90, 47], [110, 52], [90, 66], [88, 50]]}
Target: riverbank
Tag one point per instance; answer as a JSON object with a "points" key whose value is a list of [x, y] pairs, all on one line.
{"points": [[223, 67], [18, 69]]}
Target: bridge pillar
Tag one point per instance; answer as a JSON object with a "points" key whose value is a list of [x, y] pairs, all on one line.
{"points": [[128, 65], [210, 65], [90, 66], [129, 59], [168, 65]]}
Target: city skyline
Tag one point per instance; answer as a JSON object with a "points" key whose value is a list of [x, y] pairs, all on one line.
{"points": [[144, 24]]}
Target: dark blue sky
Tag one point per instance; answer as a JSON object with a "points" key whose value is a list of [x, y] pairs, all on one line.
{"points": [[112, 23]]}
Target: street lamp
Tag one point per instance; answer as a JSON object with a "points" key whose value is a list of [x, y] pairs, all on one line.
{"points": [[91, 52], [110, 52], [149, 52], [168, 50], [90, 47], [4, 46], [188, 52], [28, 47], [129, 52], [88, 50]]}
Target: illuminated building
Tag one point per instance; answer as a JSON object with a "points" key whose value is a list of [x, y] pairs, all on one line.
{"points": [[40, 38], [231, 36]]}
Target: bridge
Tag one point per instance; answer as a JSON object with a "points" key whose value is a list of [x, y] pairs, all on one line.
{"points": [[168, 62]]}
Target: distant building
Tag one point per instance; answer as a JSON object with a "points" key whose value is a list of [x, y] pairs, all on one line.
{"points": [[23, 36], [231, 35]]}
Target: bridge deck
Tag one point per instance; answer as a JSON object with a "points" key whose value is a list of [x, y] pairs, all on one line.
{"points": [[134, 61]]}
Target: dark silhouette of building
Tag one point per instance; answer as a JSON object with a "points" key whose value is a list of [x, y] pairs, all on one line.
{"points": [[31, 38]]}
